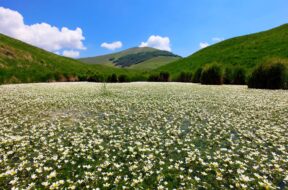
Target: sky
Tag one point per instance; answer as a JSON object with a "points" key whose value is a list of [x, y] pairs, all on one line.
{"points": [[94, 27]]}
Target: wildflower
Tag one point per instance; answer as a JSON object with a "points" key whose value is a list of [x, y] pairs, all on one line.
{"points": [[52, 175], [34, 176]]}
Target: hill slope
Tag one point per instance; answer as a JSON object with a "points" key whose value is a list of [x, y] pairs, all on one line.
{"points": [[136, 58], [20, 62], [245, 51]]}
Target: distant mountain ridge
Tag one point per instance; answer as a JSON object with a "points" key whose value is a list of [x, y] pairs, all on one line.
{"points": [[136, 58]]}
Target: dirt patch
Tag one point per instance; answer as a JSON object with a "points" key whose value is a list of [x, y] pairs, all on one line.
{"points": [[7, 52], [11, 53], [2, 66], [12, 80]]}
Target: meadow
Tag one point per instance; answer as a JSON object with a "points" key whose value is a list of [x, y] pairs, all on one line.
{"points": [[142, 136]]}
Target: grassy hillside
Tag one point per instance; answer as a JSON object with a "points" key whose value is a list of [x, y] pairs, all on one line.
{"points": [[20, 62], [136, 58], [245, 51], [154, 63]]}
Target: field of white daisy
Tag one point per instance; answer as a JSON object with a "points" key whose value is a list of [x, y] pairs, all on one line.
{"points": [[142, 136]]}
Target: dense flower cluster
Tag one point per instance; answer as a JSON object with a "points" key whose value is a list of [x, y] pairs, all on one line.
{"points": [[142, 136]]}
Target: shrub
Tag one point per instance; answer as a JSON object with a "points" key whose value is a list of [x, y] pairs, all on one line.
{"points": [[212, 74], [153, 78], [83, 77], [239, 76], [123, 78], [47, 77], [60, 77], [164, 77], [228, 75], [197, 75], [112, 78], [185, 77], [138, 77], [161, 77], [270, 75], [234, 75], [72, 78], [93, 77]]}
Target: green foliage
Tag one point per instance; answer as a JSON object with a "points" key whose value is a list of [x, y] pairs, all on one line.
{"points": [[234, 75], [270, 75], [185, 77], [123, 78], [112, 78], [197, 75], [153, 78], [212, 74], [161, 77], [228, 75], [239, 76], [164, 77]]}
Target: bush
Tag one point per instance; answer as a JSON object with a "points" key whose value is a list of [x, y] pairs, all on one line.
{"points": [[153, 78], [162, 77], [197, 75], [60, 77], [92, 77], [48, 77], [228, 75], [234, 75], [72, 78], [185, 77], [239, 76], [123, 78], [112, 78], [270, 75], [212, 74]]}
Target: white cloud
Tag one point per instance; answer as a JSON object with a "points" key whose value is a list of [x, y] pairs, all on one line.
{"points": [[71, 53], [158, 42], [41, 35], [217, 39], [203, 45], [112, 46]]}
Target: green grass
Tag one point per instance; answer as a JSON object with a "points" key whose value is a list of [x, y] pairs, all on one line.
{"points": [[153, 63], [20, 63], [150, 58], [245, 51], [104, 59]]}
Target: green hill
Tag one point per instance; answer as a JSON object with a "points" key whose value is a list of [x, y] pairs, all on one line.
{"points": [[20, 62], [137, 58], [245, 51]]}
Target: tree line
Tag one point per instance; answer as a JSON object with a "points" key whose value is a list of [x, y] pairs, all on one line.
{"points": [[271, 74]]}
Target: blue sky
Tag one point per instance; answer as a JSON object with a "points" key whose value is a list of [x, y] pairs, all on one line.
{"points": [[186, 23]]}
